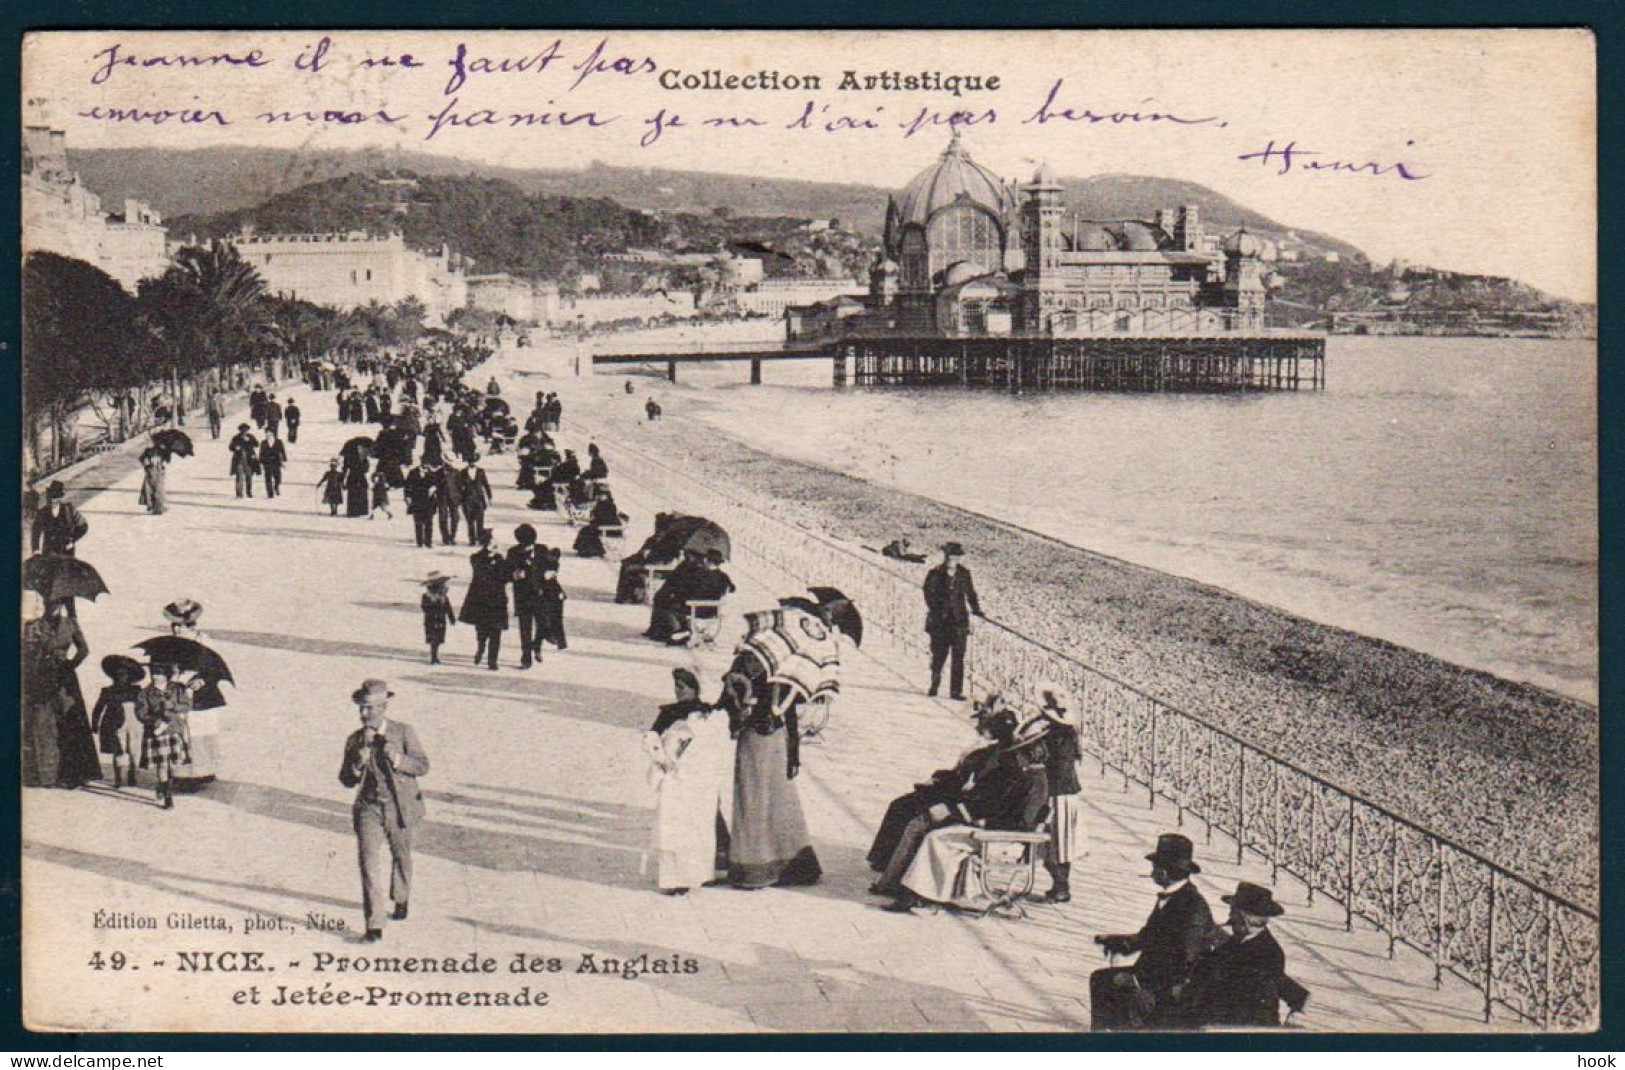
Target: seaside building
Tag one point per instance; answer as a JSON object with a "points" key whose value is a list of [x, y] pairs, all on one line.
{"points": [[773, 297], [586, 310], [966, 253], [503, 295], [61, 215], [352, 270]]}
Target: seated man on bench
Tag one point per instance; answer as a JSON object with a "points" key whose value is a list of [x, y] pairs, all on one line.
{"points": [[1241, 980]]}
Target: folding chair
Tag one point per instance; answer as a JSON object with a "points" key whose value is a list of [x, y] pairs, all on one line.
{"points": [[704, 621], [1006, 868]]}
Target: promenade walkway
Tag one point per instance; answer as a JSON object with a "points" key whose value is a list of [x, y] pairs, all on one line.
{"points": [[539, 813]]}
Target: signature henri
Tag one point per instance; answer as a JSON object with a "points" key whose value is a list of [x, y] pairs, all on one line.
{"points": [[1289, 157]]}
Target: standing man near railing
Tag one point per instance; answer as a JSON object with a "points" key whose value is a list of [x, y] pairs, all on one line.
{"points": [[950, 599]]}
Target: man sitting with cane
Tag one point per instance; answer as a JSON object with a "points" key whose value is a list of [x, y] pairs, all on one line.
{"points": [[1174, 937]]}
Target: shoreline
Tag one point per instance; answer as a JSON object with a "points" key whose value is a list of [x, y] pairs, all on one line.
{"points": [[1375, 718]]}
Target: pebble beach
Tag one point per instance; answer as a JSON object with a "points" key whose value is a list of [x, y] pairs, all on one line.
{"points": [[1505, 769]]}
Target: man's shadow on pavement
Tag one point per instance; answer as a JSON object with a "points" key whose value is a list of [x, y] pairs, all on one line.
{"points": [[498, 850]]}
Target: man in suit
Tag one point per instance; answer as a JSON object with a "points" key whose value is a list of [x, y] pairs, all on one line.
{"points": [[273, 415], [273, 455], [1240, 982], [293, 416], [422, 502], [382, 761], [57, 527], [476, 498], [950, 599], [1178, 932], [525, 566], [245, 460], [216, 409], [451, 503]]}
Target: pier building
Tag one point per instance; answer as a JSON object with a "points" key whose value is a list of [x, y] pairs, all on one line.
{"points": [[986, 282]]}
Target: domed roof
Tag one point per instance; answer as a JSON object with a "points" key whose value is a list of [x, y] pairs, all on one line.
{"points": [[953, 176], [963, 271], [1094, 238], [1045, 175], [1243, 244]]}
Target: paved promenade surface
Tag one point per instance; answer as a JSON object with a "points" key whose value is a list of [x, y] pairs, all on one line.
{"points": [[539, 814]]}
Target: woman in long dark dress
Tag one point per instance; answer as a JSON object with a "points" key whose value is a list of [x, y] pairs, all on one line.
{"points": [[434, 445], [356, 486], [485, 606], [770, 843], [553, 596], [58, 748]]}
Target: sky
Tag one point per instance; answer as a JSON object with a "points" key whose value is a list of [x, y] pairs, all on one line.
{"points": [[1472, 150]]}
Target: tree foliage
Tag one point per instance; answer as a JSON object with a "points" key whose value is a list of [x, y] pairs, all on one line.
{"points": [[80, 333]]}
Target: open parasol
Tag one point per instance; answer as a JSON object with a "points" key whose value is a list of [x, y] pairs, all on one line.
{"points": [[840, 612], [496, 404], [797, 649], [189, 655], [357, 448], [173, 442], [706, 536], [61, 576]]}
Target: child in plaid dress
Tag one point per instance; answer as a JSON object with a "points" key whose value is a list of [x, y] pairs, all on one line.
{"points": [[162, 708]]}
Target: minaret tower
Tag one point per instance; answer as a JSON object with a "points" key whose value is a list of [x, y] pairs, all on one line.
{"points": [[1042, 285]]}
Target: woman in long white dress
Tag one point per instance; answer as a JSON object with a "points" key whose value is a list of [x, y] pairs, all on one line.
{"points": [[691, 770]]}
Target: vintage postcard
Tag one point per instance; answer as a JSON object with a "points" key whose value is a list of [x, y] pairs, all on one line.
{"points": [[714, 532]]}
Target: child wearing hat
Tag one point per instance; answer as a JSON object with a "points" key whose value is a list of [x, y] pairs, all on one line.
{"points": [[437, 613], [380, 496], [162, 708], [331, 487], [113, 718], [1061, 756]]}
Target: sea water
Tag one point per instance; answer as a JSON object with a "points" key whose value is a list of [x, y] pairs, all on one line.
{"points": [[1441, 493]]}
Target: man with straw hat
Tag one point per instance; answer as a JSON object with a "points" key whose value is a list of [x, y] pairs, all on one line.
{"points": [[1173, 938], [382, 761]]}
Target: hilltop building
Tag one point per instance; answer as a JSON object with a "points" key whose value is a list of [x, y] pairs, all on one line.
{"points": [[354, 269], [966, 253], [60, 215]]}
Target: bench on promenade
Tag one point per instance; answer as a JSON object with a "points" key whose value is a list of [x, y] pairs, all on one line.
{"points": [[704, 621]]}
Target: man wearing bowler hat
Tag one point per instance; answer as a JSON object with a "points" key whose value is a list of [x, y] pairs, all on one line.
{"points": [[1173, 938], [1240, 982], [382, 761], [950, 599], [57, 527]]}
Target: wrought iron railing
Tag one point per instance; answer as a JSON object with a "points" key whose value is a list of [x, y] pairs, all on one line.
{"points": [[1525, 948]]}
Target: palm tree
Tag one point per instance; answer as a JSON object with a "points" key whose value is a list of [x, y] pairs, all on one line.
{"points": [[209, 310]]}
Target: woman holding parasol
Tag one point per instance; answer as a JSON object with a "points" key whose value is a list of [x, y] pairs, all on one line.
{"points": [[57, 746], [789, 657]]}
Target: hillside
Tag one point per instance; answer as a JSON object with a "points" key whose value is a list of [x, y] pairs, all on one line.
{"points": [[506, 229], [227, 179]]}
